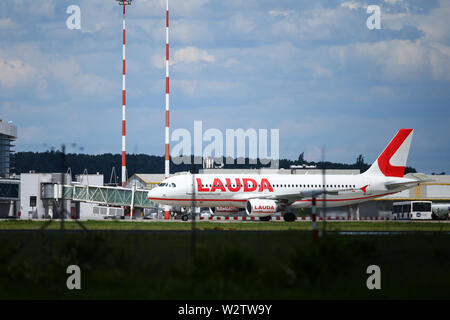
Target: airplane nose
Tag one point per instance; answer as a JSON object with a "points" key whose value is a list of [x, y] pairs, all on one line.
{"points": [[152, 194]]}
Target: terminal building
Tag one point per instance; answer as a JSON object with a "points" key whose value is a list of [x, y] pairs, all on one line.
{"points": [[437, 190], [8, 134]]}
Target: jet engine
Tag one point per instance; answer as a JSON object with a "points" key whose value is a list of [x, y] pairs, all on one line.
{"points": [[261, 207]]}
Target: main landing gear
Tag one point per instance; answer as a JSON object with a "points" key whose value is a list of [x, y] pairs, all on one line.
{"points": [[289, 216]]}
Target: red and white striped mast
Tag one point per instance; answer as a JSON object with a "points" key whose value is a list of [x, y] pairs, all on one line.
{"points": [[167, 152], [124, 163]]}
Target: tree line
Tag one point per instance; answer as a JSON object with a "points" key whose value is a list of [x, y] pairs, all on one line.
{"points": [[55, 161]]}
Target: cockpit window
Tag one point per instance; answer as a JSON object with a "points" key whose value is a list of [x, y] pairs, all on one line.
{"points": [[164, 184]]}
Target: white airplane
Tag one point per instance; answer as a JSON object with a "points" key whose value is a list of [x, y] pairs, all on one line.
{"points": [[263, 195]]}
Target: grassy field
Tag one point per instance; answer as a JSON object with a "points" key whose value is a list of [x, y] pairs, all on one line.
{"points": [[239, 226], [224, 265]]}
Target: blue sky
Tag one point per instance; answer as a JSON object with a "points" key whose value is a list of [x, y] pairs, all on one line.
{"points": [[311, 69]]}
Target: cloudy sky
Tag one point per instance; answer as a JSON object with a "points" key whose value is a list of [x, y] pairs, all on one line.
{"points": [[311, 69]]}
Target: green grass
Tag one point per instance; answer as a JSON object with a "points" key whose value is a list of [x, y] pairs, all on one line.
{"points": [[241, 226], [227, 265]]}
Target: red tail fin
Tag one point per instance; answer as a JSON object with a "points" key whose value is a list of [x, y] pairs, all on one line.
{"points": [[392, 161]]}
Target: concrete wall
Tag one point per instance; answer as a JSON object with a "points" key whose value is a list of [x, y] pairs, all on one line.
{"points": [[30, 185]]}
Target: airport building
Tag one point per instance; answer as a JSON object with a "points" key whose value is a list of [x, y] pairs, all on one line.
{"points": [[144, 180], [9, 184], [37, 195], [8, 134], [437, 190]]}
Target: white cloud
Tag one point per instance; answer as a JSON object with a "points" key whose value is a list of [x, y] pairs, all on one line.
{"points": [[319, 71], [392, 1], [188, 55], [243, 24], [400, 60], [317, 23], [177, 7], [69, 73], [200, 88], [33, 68], [43, 8], [432, 24], [8, 24], [192, 55], [353, 5], [282, 13], [425, 59], [15, 72], [189, 31]]}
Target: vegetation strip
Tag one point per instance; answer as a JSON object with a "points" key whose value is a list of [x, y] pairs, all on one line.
{"points": [[237, 226]]}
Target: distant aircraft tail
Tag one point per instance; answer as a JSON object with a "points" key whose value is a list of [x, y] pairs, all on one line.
{"points": [[392, 161]]}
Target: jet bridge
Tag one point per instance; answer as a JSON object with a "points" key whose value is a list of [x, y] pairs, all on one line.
{"points": [[103, 195]]}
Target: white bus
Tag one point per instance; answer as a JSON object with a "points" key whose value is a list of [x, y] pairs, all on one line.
{"points": [[412, 210]]}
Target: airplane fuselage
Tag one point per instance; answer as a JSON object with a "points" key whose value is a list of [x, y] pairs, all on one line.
{"points": [[221, 190]]}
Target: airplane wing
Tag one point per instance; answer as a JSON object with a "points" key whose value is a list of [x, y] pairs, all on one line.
{"points": [[418, 178]]}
